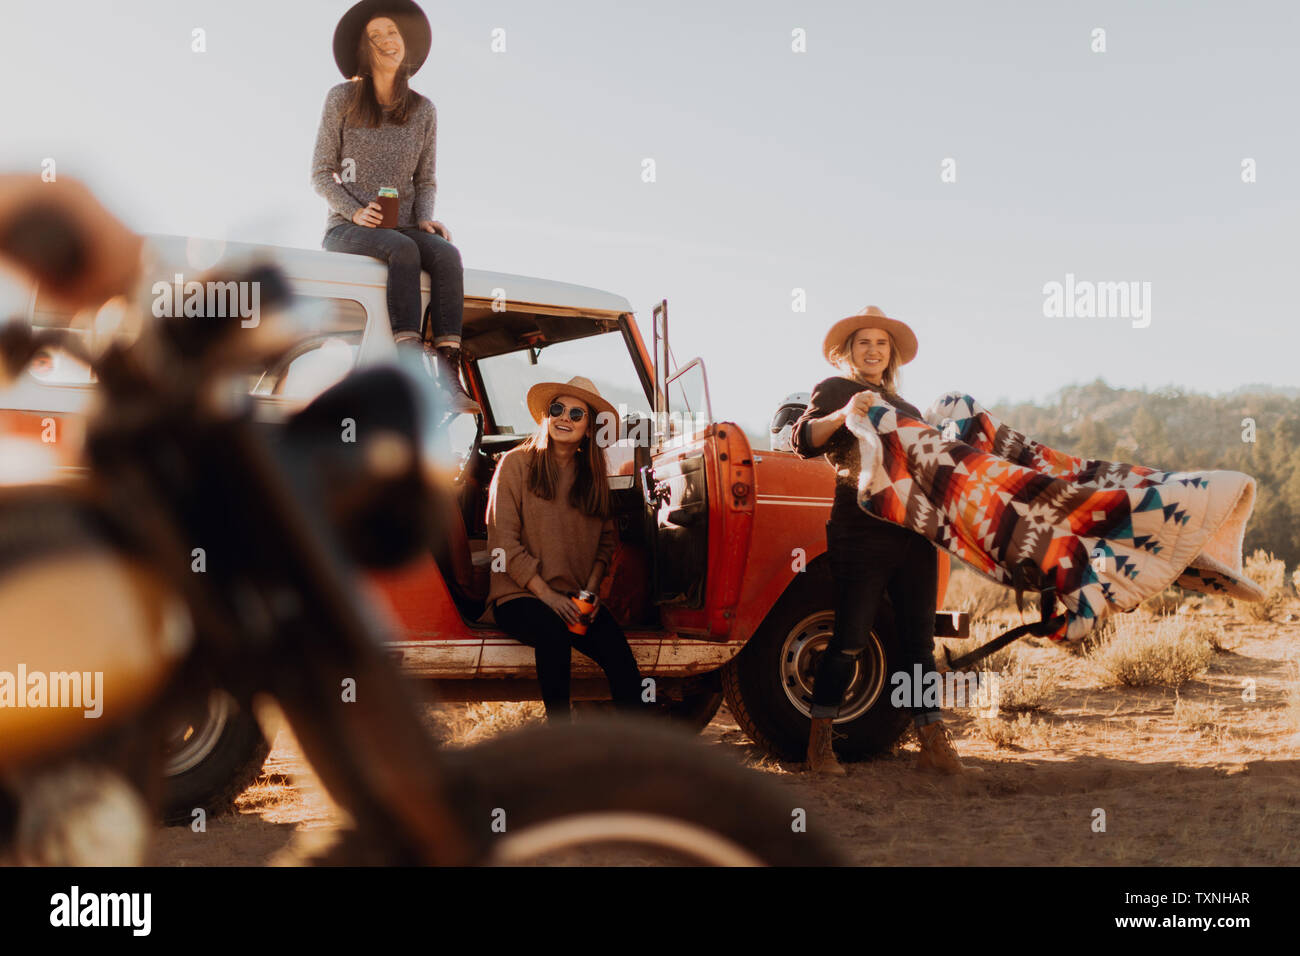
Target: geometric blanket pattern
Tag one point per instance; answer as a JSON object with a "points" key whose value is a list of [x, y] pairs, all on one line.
{"points": [[1107, 534]]}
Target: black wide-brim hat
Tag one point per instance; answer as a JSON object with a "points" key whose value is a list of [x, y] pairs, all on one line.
{"points": [[410, 20]]}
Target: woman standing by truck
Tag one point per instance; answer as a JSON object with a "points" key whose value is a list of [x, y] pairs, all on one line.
{"points": [[869, 557], [377, 136]]}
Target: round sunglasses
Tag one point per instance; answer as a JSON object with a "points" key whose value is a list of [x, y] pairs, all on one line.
{"points": [[576, 413]]}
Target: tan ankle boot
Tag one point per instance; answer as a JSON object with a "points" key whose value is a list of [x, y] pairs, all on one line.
{"points": [[821, 755], [938, 755]]}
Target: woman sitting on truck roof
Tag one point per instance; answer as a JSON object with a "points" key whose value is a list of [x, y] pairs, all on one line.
{"points": [[376, 133], [551, 535]]}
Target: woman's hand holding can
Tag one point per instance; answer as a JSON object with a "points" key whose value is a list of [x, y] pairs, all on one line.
{"points": [[371, 215]]}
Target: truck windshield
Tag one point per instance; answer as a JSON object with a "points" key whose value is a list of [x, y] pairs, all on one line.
{"points": [[602, 358]]}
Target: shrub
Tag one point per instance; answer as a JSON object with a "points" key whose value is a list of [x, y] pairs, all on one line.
{"points": [[1270, 574], [1216, 637], [1205, 719], [1163, 602], [1021, 732], [1166, 654], [1022, 690]]}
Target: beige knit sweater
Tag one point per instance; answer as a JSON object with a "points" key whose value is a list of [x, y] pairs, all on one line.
{"points": [[549, 538]]}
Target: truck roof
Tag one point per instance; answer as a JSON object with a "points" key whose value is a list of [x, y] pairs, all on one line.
{"points": [[363, 270]]}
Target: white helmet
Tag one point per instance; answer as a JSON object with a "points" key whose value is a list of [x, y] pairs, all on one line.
{"points": [[782, 428]]}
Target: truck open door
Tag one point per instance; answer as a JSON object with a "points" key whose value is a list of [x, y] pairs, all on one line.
{"points": [[698, 489]]}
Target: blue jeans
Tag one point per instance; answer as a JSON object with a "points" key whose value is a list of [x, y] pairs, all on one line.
{"points": [[407, 251], [866, 562]]}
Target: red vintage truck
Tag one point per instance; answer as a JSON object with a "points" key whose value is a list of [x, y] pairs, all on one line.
{"points": [[719, 577]]}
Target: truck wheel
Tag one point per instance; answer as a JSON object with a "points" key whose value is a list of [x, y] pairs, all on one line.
{"points": [[210, 757], [769, 684], [525, 797]]}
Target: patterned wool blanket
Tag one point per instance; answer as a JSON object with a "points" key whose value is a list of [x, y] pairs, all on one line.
{"points": [[1107, 534]]}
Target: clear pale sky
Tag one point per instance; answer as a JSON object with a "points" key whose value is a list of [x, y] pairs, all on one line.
{"points": [[776, 170]]}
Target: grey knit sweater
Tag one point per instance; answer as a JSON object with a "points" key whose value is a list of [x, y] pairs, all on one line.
{"points": [[389, 155]]}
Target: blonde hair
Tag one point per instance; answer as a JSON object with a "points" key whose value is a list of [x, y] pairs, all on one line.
{"points": [[841, 357]]}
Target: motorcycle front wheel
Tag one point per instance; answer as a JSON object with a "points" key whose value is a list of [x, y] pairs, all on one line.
{"points": [[624, 792]]}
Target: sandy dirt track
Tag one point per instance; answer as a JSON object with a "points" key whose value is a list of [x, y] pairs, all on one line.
{"points": [[1219, 791]]}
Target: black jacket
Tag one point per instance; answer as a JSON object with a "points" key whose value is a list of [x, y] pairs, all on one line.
{"points": [[841, 449]]}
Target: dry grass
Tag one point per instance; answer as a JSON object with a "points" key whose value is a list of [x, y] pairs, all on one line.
{"points": [[1204, 718], [1270, 574], [1019, 687], [461, 725], [976, 594], [1100, 634], [1022, 732], [1166, 653], [1023, 689], [1216, 637], [1164, 602], [1293, 698], [981, 633]]}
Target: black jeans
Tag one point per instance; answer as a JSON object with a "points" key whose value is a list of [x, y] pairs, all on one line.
{"points": [[867, 562], [531, 622], [407, 251]]}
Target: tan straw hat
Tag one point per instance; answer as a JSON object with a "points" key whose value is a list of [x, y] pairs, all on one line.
{"points": [[542, 394], [872, 318]]}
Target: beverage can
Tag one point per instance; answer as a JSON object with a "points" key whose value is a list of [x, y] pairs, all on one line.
{"points": [[585, 601], [388, 202]]}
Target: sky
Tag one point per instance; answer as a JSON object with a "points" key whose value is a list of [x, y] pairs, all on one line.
{"points": [[776, 170]]}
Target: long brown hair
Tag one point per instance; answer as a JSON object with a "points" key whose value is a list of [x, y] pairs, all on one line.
{"points": [[590, 490], [841, 357], [363, 108]]}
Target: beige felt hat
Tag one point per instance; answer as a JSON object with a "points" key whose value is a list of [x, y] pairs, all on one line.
{"points": [[541, 395], [872, 318]]}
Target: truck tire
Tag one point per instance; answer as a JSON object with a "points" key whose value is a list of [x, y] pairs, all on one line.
{"points": [[211, 758], [626, 782], [768, 685]]}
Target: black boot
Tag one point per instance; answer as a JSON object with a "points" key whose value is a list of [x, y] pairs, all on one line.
{"points": [[447, 362]]}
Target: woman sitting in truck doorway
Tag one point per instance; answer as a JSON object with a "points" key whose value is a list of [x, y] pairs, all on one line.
{"points": [[869, 557], [376, 133], [551, 535]]}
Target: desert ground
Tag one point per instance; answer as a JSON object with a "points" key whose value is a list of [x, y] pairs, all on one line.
{"points": [[1194, 761]]}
